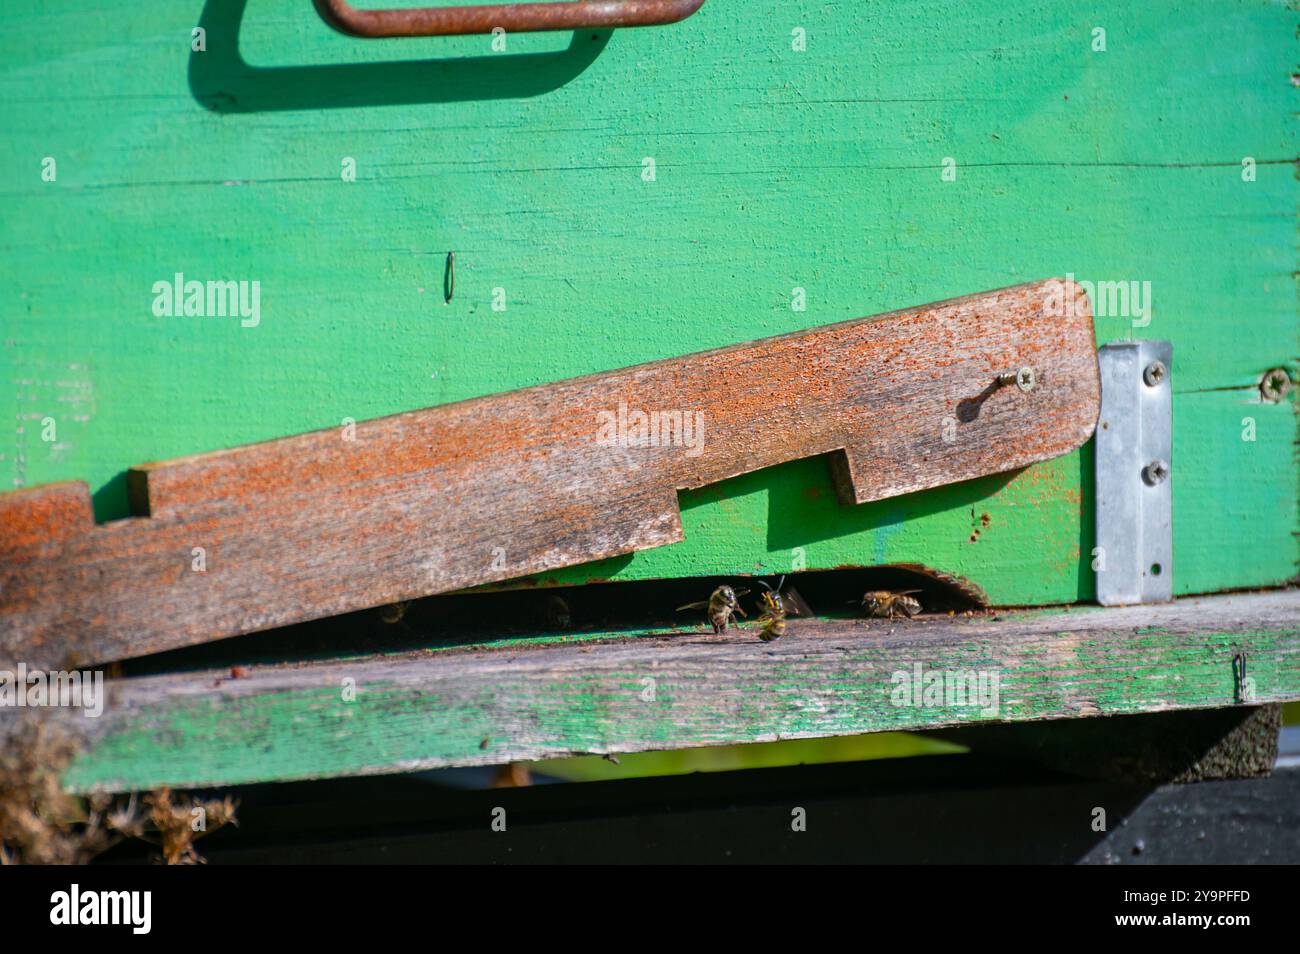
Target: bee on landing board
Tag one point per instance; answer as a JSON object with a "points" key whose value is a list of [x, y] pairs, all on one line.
{"points": [[722, 607], [886, 604], [557, 613], [775, 607]]}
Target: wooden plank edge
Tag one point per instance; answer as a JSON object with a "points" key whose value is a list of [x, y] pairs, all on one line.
{"points": [[826, 678]]}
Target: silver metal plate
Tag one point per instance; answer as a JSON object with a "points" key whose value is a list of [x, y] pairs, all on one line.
{"points": [[1134, 559]]}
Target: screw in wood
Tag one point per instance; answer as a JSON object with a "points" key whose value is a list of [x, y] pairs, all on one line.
{"points": [[1155, 373], [1022, 378], [1275, 385], [1155, 472]]}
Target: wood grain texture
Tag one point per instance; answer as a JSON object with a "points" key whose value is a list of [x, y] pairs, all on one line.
{"points": [[464, 707], [776, 169], [557, 475]]}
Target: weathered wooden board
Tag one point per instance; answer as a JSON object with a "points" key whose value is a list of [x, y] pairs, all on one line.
{"points": [[561, 474], [463, 707], [777, 169]]}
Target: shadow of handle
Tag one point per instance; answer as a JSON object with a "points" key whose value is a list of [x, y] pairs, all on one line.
{"points": [[222, 81], [509, 17]]}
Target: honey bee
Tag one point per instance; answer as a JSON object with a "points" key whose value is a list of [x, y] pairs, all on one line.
{"points": [[885, 604], [774, 609], [721, 606], [393, 612], [557, 612]]}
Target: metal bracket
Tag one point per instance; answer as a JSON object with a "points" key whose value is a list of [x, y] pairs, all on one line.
{"points": [[1134, 559]]}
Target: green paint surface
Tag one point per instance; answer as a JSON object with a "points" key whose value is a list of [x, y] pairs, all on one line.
{"points": [[775, 169]]}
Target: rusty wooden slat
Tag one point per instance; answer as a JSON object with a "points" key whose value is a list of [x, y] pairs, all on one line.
{"points": [[517, 483], [38, 517]]}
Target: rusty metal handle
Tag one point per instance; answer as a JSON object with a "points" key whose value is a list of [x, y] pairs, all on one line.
{"points": [[511, 17]]}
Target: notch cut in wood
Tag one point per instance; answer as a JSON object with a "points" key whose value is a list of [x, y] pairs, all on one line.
{"points": [[526, 481]]}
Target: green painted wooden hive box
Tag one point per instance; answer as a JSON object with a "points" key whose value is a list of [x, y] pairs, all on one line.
{"points": [[240, 221]]}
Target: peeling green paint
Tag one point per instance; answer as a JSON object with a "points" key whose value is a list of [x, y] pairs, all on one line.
{"points": [[245, 736]]}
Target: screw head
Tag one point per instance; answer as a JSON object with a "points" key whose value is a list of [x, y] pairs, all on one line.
{"points": [[1155, 374], [1025, 379], [1275, 385], [1155, 472]]}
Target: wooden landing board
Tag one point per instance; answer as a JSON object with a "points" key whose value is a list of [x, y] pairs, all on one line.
{"points": [[483, 707], [517, 483]]}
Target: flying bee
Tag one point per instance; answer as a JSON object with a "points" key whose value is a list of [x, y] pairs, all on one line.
{"points": [[721, 606], [885, 604], [774, 608]]}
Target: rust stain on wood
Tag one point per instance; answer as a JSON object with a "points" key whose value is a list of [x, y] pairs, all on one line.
{"points": [[518, 483], [39, 516]]}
